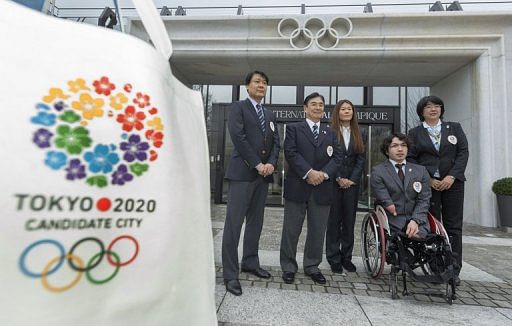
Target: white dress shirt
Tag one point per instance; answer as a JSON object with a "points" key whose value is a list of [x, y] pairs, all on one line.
{"points": [[345, 131]]}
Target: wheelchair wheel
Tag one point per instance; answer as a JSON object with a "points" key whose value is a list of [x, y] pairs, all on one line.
{"points": [[372, 246]]}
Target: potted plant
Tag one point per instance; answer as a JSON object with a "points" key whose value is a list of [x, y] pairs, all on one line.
{"points": [[503, 190]]}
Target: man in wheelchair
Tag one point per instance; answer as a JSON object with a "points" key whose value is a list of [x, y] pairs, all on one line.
{"points": [[402, 188], [406, 236]]}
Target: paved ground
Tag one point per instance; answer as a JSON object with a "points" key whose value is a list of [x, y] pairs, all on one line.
{"points": [[484, 297]]}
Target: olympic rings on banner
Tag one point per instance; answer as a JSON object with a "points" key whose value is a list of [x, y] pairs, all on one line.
{"points": [[88, 268], [129, 260], [75, 262], [44, 277], [23, 257], [88, 274]]}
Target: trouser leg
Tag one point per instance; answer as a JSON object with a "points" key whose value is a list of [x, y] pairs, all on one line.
{"points": [[254, 224], [317, 216], [294, 214], [235, 213], [333, 233], [452, 203], [348, 220]]}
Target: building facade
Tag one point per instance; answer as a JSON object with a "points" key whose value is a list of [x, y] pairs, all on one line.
{"points": [[465, 58]]}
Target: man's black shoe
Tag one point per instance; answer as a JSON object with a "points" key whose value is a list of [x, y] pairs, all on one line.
{"points": [[288, 277], [233, 286], [318, 278], [349, 267], [457, 280], [260, 272], [337, 268]]}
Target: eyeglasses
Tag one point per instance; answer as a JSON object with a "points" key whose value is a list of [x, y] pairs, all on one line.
{"points": [[398, 145]]}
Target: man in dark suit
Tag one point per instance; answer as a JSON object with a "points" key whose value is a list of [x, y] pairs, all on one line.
{"points": [[313, 155], [442, 148], [255, 137], [402, 188]]}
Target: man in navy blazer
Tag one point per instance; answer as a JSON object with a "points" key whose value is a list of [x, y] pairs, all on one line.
{"points": [[313, 155], [255, 137]]}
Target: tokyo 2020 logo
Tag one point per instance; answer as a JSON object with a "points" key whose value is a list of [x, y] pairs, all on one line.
{"points": [[66, 119], [75, 262]]}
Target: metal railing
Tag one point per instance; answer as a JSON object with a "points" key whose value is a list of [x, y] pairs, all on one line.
{"points": [[85, 13]]}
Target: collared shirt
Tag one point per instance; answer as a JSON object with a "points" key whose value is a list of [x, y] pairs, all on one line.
{"points": [[435, 136], [434, 133], [311, 124], [345, 131], [254, 103], [394, 165]]}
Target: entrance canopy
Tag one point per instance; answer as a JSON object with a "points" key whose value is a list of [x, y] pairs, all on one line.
{"points": [[359, 49], [464, 57]]}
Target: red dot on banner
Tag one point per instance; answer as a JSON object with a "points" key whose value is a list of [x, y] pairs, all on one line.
{"points": [[103, 204]]}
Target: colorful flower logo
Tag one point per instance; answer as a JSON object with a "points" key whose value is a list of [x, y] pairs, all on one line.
{"points": [[63, 121]]}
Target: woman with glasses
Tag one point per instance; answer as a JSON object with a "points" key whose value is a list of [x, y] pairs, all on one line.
{"points": [[339, 241], [442, 147]]}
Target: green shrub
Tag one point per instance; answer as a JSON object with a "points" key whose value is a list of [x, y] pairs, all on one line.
{"points": [[503, 186]]}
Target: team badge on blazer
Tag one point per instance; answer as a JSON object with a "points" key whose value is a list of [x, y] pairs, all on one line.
{"points": [[452, 139], [417, 186], [329, 150], [272, 126]]}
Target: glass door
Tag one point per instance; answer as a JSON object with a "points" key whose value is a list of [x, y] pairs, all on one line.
{"points": [[373, 135], [275, 189]]}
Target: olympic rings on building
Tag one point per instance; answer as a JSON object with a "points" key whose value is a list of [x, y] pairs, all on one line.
{"points": [[326, 36], [76, 263]]}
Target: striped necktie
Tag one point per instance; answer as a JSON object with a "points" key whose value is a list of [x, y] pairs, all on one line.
{"points": [[259, 110], [315, 132]]}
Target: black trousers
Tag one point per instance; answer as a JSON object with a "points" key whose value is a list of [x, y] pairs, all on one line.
{"points": [[339, 238], [246, 201], [447, 206]]}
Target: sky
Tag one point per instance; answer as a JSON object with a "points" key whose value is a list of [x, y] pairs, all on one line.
{"points": [[420, 6]]}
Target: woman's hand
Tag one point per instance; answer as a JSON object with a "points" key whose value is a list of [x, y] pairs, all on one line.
{"points": [[435, 184], [446, 183], [345, 183]]}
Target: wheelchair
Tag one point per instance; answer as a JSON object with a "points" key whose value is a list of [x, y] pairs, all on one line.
{"points": [[432, 255]]}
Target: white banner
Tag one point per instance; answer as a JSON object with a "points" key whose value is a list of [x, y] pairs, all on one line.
{"points": [[104, 200]]}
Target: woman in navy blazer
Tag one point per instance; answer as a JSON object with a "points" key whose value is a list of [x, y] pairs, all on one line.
{"points": [[340, 227], [442, 147]]}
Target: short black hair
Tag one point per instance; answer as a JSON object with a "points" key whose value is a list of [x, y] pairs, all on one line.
{"points": [[252, 73], [423, 103], [313, 95], [389, 139]]}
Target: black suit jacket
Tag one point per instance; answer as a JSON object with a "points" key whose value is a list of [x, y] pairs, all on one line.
{"points": [[251, 145], [302, 154], [451, 158], [352, 163]]}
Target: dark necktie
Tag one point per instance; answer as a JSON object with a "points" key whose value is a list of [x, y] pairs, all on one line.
{"points": [[261, 117], [401, 174], [315, 132]]}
